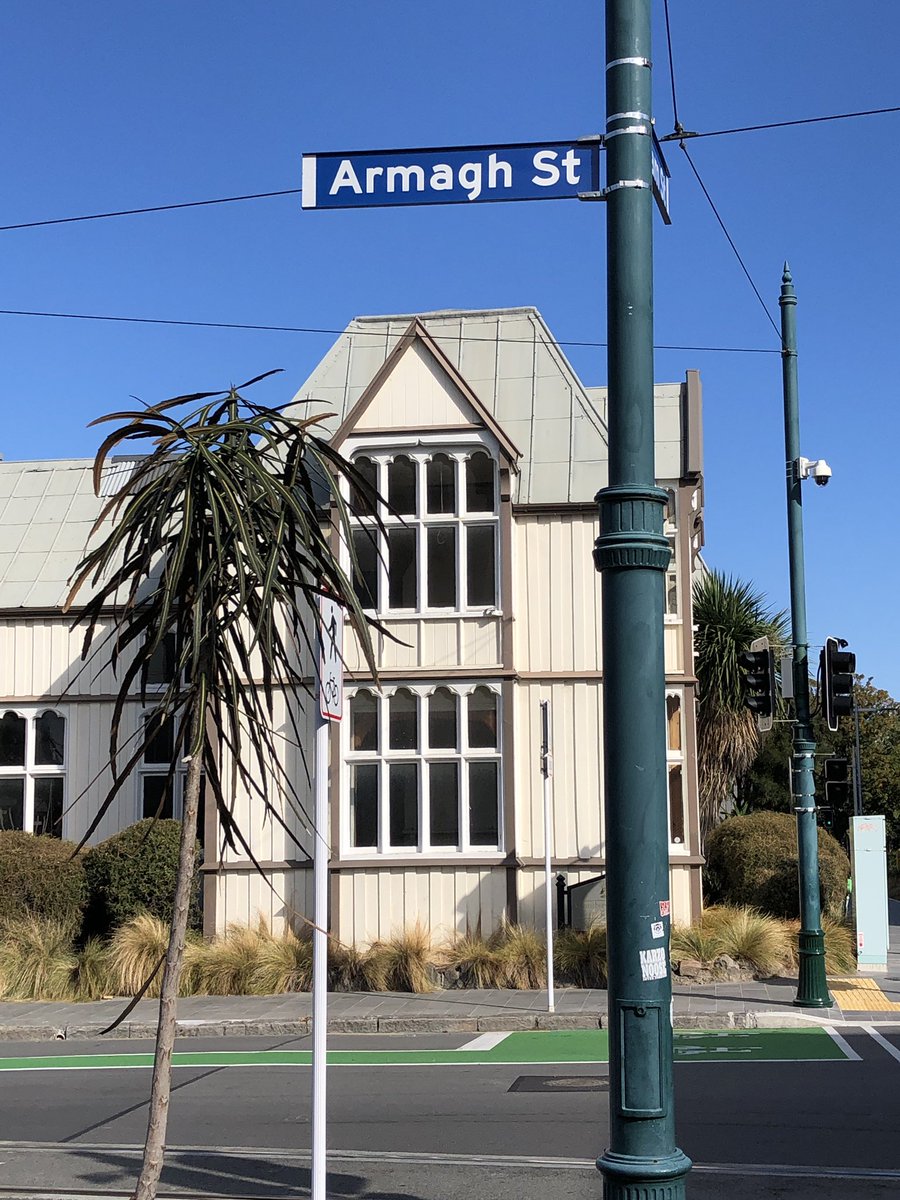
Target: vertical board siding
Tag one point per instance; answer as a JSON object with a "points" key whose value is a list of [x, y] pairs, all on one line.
{"points": [[283, 899], [380, 902], [557, 624], [450, 643], [577, 773], [418, 393]]}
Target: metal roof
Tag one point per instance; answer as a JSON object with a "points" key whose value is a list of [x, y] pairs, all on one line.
{"points": [[507, 357]]}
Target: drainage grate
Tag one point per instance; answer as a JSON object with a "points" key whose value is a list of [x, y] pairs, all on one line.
{"points": [[560, 1083]]}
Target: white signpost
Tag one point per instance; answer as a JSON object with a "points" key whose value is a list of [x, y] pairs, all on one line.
{"points": [[331, 692]]}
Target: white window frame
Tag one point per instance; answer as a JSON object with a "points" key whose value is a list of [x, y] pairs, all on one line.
{"points": [[147, 770], [461, 520], [675, 758], [672, 573], [32, 771], [422, 755]]}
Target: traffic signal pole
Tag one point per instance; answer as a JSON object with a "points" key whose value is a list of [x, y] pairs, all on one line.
{"points": [[642, 1160], [812, 988]]}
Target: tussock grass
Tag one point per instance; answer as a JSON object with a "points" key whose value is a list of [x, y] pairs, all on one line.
{"points": [[750, 937], [477, 959], [228, 965], [523, 953], [283, 964], [579, 957], [37, 960], [346, 968], [401, 963], [93, 976], [696, 941], [840, 947], [134, 950]]}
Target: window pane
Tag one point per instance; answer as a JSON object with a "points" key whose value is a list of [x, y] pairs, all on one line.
{"points": [[676, 806], [404, 732], [162, 662], [48, 806], [673, 721], [480, 483], [404, 801], [444, 795], [402, 486], [161, 744], [442, 566], [480, 567], [364, 489], [365, 570], [49, 731], [364, 805], [364, 722], [484, 821], [403, 584], [441, 481], [483, 719], [157, 797], [12, 803], [12, 740], [442, 720]]}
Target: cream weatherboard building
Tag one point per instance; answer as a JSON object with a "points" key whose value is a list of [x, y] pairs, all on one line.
{"points": [[488, 451]]}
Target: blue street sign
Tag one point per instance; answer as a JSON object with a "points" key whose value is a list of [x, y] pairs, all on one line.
{"points": [[660, 177], [452, 175]]}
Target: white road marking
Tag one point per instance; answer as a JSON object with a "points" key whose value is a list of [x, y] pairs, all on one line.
{"points": [[485, 1041], [842, 1043], [882, 1041]]}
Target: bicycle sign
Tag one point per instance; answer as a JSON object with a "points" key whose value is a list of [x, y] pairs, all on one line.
{"points": [[331, 659]]}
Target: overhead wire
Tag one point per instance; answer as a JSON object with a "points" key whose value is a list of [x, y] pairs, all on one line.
{"points": [[868, 112], [380, 333], [154, 208]]}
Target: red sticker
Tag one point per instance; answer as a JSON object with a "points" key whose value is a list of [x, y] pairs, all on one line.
{"points": [[665, 907]]}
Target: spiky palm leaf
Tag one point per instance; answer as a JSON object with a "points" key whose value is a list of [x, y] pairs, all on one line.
{"points": [[217, 538], [728, 615]]}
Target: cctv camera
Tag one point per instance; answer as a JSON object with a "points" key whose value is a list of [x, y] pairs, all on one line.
{"points": [[821, 472]]}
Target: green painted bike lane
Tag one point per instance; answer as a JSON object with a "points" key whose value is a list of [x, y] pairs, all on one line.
{"points": [[528, 1048]]}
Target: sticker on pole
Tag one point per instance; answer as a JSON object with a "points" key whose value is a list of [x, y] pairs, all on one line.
{"points": [[653, 964], [331, 659], [665, 908], [657, 929]]}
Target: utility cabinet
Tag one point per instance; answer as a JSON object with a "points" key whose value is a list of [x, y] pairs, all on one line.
{"points": [[868, 860]]}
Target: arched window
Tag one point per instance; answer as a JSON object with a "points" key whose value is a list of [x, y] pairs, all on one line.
{"points": [[32, 771]]}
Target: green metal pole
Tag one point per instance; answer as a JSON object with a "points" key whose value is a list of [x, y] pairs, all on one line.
{"points": [[642, 1160], [812, 989]]}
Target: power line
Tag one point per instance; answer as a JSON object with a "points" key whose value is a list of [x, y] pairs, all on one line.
{"points": [[678, 124], [438, 337], [132, 212], [730, 240], [869, 112]]}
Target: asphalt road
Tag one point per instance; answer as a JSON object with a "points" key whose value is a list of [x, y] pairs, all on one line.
{"points": [[442, 1132]]}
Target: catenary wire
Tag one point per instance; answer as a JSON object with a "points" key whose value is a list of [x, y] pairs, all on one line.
{"points": [[869, 112], [155, 208], [730, 240], [677, 123], [380, 333]]}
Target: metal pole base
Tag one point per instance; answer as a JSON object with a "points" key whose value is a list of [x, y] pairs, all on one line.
{"points": [[629, 1177], [812, 987]]}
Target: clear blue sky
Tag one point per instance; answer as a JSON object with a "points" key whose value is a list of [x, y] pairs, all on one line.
{"points": [[110, 106]]}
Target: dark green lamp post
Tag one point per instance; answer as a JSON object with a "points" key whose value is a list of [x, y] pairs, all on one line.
{"points": [[812, 988], [642, 1160]]}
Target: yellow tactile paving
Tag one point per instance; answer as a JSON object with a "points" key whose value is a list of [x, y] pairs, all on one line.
{"points": [[861, 995]]}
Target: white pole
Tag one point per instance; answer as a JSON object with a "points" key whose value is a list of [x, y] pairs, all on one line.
{"points": [[547, 769], [320, 963]]}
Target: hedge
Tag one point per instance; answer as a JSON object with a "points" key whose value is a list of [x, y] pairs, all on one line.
{"points": [[39, 875], [133, 872], [752, 861]]}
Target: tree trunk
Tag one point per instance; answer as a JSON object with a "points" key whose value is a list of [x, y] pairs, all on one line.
{"points": [[155, 1144]]}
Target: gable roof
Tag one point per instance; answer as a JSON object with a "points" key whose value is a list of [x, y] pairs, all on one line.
{"points": [[510, 363]]}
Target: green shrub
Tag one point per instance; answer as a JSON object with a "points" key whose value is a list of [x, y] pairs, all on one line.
{"points": [[133, 872], [39, 876], [752, 862]]}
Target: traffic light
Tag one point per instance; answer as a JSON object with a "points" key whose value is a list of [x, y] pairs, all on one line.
{"points": [[837, 666], [759, 665], [825, 817], [837, 782]]}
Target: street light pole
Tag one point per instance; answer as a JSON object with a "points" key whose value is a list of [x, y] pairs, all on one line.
{"points": [[642, 1159], [812, 988]]}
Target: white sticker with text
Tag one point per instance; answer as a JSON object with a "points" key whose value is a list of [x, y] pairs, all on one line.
{"points": [[653, 964]]}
